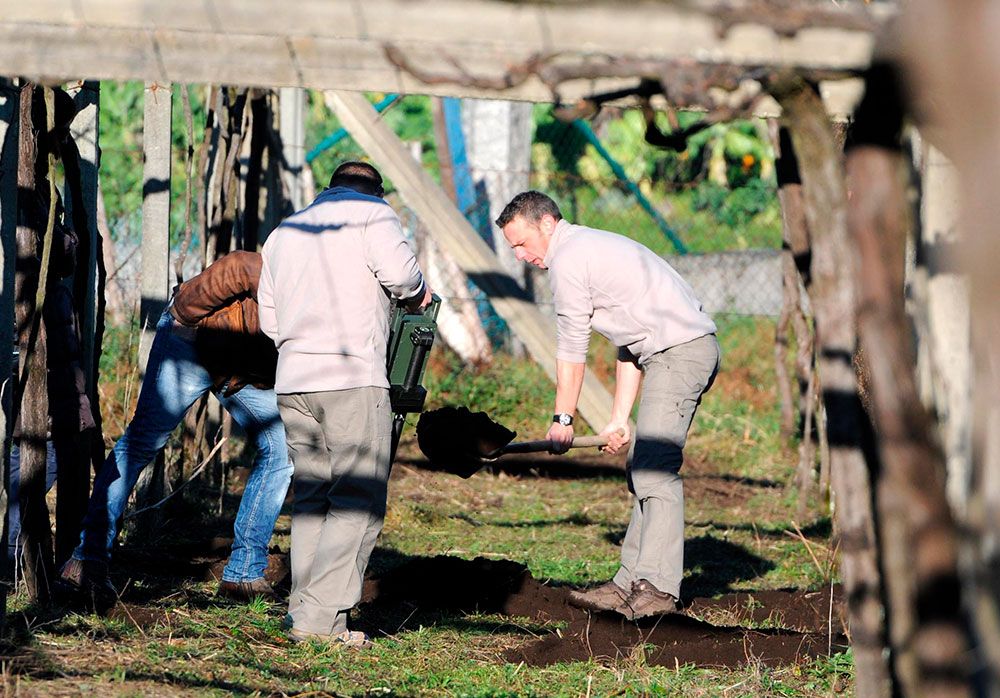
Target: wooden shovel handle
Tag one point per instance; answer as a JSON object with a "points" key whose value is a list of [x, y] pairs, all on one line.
{"points": [[546, 445]]}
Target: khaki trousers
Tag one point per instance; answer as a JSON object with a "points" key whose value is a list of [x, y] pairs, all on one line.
{"points": [[674, 381], [339, 443]]}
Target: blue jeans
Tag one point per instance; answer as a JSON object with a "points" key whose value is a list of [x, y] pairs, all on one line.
{"points": [[14, 494], [174, 380]]}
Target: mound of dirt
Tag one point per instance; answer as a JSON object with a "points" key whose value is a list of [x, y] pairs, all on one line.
{"points": [[806, 611], [421, 590], [671, 640], [508, 588]]}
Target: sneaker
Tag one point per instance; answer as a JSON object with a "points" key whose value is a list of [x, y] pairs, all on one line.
{"points": [[355, 639], [606, 597], [246, 591], [646, 600]]}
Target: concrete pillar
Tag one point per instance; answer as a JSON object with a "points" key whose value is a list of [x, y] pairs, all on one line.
{"points": [[498, 146], [155, 280]]}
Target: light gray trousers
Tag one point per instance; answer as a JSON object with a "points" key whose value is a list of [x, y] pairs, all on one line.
{"points": [[339, 443], [674, 381]]}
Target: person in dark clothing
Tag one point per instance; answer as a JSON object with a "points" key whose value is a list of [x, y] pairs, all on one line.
{"points": [[208, 339]]}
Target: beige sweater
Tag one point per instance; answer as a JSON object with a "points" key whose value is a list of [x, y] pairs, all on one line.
{"points": [[328, 272], [621, 289]]}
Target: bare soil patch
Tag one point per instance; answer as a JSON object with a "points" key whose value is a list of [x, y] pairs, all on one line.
{"points": [[508, 588]]}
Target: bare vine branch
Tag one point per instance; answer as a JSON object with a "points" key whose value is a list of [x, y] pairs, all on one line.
{"points": [[726, 90]]}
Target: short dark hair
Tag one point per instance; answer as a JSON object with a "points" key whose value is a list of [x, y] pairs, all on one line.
{"points": [[531, 205], [359, 176]]}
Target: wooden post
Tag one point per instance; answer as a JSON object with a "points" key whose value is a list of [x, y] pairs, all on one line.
{"points": [[945, 348], [260, 114], [155, 286], [85, 132], [77, 451], [456, 236], [293, 140], [31, 401], [8, 252], [795, 258], [833, 299]]}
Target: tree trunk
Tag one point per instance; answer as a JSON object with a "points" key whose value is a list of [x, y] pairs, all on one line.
{"points": [[31, 400], [259, 119], [73, 446], [919, 540], [114, 297], [795, 256], [850, 436], [9, 119]]}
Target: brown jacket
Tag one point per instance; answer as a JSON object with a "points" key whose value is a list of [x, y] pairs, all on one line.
{"points": [[222, 303]]}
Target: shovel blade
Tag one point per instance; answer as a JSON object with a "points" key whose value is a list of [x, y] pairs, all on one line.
{"points": [[457, 440]]}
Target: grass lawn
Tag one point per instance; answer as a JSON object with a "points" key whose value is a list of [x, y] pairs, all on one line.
{"points": [[563, 518]]}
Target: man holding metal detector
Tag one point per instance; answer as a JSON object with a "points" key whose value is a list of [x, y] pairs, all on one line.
{"points": [[330, 272], [667, 345]]}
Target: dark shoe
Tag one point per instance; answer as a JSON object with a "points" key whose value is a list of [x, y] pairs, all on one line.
{"points": [[646, 600], [354, 639], [606, 597], [86, 580], [246, 591]]}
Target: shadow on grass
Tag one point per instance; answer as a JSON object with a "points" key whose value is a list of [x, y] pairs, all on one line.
{"points": [[712, 565], [540, 466], [820, 528], [571, 520], [726, 477]]}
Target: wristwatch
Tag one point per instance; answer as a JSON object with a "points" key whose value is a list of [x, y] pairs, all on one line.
{"points": [[562, 418]]}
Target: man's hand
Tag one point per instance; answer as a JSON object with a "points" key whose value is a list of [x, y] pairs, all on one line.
{"points": [[420, 302], [618, 434], [561, 437]]}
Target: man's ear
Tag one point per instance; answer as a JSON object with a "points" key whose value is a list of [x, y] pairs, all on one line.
{"points": [[547, 224]]}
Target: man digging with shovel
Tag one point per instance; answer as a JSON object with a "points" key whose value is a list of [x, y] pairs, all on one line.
{"points": [[666, 343]]}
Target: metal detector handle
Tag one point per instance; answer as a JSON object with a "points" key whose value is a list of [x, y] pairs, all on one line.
{"points": [[546, 445]]}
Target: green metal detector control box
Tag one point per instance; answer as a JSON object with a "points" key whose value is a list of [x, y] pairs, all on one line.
{"points": [[411, 335]]}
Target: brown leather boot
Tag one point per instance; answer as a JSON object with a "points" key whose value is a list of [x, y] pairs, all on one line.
{"points": [[246, 591], [606, 597], [646, 600]]}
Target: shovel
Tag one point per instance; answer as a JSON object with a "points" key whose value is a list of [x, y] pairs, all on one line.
{"points": [[543, 446], [461, 442]]}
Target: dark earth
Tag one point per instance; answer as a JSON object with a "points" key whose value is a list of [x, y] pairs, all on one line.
{"points": [[787, 625]]}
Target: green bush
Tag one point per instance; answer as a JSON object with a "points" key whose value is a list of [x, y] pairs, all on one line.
{"points": [[734, 208]]}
